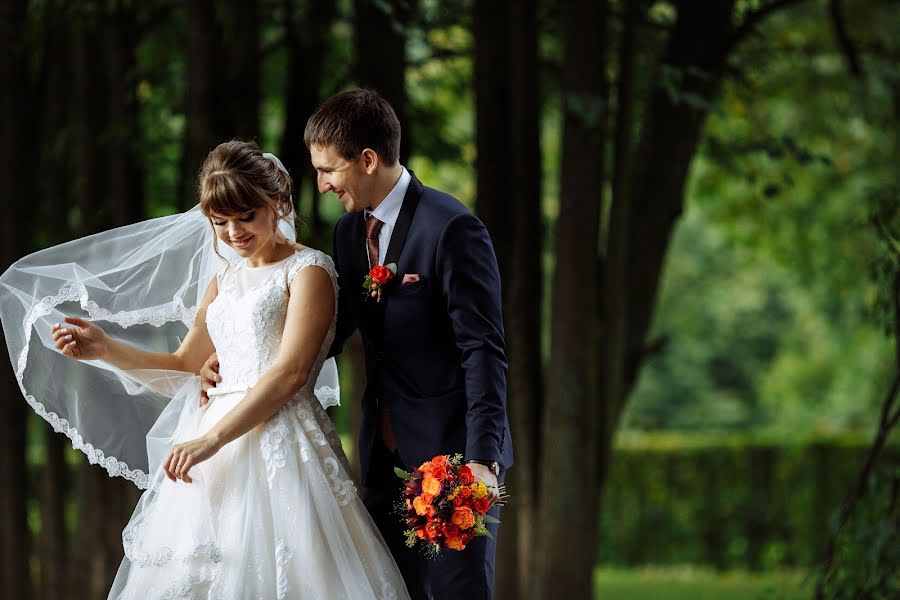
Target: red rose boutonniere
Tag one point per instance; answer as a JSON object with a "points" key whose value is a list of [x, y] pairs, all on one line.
{"points": [[378, 276]]}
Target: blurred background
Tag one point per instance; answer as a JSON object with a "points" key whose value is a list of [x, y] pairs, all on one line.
{"points": [[696, 213]]}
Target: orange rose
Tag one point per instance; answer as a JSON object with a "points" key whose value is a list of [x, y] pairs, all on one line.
{"points": [[433, 531], [439, 461], [430, 485], [420, 506], [457, 501], [427, 498], [439, 472], [465, 492], [463, 517], [455, 543], [430, 511], [420, 533], [426, 467]]}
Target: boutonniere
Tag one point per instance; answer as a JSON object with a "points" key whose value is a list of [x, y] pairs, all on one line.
{"points": [[378, 276]]}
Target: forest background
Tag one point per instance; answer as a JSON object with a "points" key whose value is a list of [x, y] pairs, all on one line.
{"points": [[694, 205]]}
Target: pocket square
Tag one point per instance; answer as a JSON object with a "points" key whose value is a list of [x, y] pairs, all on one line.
{"points": [[411, 278]]}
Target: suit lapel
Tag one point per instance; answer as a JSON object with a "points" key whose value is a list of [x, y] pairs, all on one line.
{"points": [[404, 219]]}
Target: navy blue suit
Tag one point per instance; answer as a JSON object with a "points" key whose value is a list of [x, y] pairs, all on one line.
{"points": [[435, 354]]}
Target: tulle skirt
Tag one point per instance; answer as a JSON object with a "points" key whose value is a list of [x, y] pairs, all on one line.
{"points": [[273, 515]]}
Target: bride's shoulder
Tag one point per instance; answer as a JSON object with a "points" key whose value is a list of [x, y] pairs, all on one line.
{"points": [[307, 257]]}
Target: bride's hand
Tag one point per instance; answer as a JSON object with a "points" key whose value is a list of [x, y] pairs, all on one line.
{"points": [[184, 456], [82, 340]]}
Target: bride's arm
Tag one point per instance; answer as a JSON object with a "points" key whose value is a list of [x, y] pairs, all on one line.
{"points": [[87, 341], [309, 313]]}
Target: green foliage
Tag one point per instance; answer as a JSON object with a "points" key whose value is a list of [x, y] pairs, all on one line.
{"points": [[867, 562], [768, 302], [745, 501], [691, 583]]}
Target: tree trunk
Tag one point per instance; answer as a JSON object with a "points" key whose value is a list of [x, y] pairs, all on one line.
{"points": [[16, 156], [55, 198], [308, 41], [125, 176], [613, 307], [90, 120], [379, 28], [569, 510], [506, 92], [695, 56], [203, 104], [242, 70]]}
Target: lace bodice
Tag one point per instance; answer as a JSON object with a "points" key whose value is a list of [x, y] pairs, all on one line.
{"points": [[246, 320]]}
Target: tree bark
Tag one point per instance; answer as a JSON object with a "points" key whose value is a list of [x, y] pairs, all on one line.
{"points": [[568, 511], [696, 53], [308, 41], [379, 28], [242, 70], [16, 158], [125, 173], [203, 105], [507, 133], [56, 199]]}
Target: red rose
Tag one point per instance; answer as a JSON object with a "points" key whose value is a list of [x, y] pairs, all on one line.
{"points": [[482, 505], [450, 530], [465, 492], [457, 501], [465, 476], [380, 274], [439, 473]]}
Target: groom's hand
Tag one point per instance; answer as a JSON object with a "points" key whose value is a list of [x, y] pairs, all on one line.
{"points": [[481, 472], [209, 377]]}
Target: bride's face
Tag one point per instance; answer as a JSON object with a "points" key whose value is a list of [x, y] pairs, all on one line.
{"points": [[248, 233]]}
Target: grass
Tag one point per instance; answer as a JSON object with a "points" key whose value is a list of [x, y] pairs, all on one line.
{"points": [[694, 583]]}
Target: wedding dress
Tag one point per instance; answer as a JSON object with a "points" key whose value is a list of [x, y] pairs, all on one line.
{"points": [[274, 514]]}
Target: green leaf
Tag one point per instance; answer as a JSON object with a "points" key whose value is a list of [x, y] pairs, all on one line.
{"points": [[392, 268], [403, 474], [490, 519], [486, 533]]}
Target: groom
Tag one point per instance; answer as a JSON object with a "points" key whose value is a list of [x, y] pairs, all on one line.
{"points": [[435, 359]]}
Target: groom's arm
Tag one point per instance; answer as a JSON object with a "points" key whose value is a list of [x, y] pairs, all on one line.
{"points": [[346, 320], [470, 282]]}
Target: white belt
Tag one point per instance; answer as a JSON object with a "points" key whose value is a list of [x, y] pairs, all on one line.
{"points": [[228, 389]]}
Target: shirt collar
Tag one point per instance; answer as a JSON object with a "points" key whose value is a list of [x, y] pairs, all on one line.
{"points": [[389, 209]]}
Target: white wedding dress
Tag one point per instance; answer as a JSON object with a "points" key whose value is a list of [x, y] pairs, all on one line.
{"points": [[275, 513]]}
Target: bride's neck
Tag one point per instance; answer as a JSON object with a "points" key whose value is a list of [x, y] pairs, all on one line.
{"points": [[273, 253]]}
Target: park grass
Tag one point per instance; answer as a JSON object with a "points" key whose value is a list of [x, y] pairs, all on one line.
{"points": [[694, 583]]}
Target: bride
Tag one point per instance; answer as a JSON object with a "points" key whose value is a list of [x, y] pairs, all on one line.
{"points": [[248, 495]]}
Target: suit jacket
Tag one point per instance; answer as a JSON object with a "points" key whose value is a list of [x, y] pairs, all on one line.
{"points": [[434, 348]]}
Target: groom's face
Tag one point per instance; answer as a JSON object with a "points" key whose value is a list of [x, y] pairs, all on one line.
{"points": [[346, 178]]}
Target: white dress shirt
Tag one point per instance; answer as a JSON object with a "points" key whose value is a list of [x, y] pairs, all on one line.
{"points": [[388, 211]]}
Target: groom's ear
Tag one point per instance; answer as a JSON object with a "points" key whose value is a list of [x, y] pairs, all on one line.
{"points": [[370, 160]]}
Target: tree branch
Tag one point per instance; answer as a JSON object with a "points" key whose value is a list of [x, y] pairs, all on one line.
{"points": [[851, 53], [755, 17]]}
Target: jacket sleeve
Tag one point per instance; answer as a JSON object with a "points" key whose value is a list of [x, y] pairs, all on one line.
{"points": [[346, 319], [470, 282]]}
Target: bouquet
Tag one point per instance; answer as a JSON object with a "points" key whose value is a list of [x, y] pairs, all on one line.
{"points": [[443, 506]]}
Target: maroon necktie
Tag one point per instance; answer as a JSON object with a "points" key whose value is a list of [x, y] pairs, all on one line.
{"points": [[373, 227]]}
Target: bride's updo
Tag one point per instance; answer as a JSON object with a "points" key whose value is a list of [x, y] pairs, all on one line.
{"points": [[236, 178]]}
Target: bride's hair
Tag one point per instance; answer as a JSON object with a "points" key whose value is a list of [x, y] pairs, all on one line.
{"points": [[236, 178]]}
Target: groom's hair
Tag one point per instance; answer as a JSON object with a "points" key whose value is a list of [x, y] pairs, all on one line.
{"points": [[354, 120]]}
